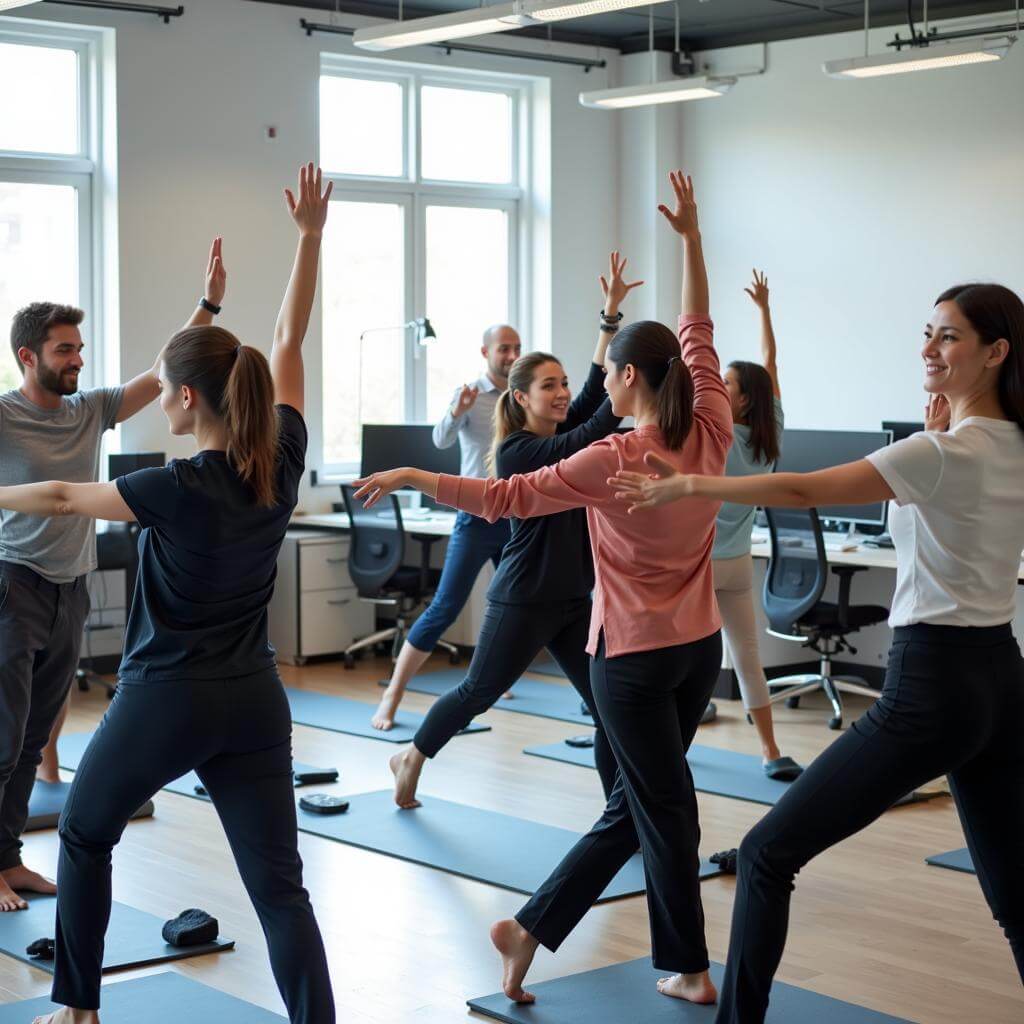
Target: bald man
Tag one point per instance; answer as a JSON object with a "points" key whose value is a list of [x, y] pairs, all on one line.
{"points": [[470, 421]]}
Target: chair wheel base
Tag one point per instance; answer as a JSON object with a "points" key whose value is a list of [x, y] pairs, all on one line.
{"points": [[835, 722], [454, 658], [349, 662], [792, 702]]}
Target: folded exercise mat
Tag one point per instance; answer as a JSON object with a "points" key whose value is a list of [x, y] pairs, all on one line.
{"points": [[133, 937], [627, 992], [529, 696], [497, 849], [339, 714], [718, 771], [47, 801], [164, 998], [71, 748], [955, 860]]}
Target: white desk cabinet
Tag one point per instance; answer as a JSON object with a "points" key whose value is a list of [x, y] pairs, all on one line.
{"points": [[315, 609]]}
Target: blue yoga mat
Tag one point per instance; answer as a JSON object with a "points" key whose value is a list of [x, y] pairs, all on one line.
{"points": [[47, 802], [497, 849], [158, 999], [538, 697], [71, 749], [339, 714], [955, 860], [626, 994], [133, 937]]}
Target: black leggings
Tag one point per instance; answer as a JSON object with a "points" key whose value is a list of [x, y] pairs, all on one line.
{"points": [[953, 702], [650, 705], [511, 636], [237, 734]]}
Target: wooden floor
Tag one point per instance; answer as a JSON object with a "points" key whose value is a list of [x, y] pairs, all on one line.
{"points": [[871, 923]]}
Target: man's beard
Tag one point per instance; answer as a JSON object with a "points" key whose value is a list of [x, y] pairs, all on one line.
{"points": [[66, 384]]}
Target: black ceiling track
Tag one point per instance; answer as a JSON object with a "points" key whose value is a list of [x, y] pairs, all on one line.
{"points": [[164, 13]]}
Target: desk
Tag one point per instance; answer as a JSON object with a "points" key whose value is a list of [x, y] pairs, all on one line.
{"points": [[437, 524]]}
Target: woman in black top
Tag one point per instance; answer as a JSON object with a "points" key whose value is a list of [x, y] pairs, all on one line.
{"points": [[540, 595], [198, 685]]}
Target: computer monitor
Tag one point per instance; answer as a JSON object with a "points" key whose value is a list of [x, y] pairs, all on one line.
{"points": [[130, 462], [901, 429], [390, 445], [806, 451]]}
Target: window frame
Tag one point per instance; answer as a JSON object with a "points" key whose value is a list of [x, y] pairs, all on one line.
{"points": [[419, 193], [81, 170]]}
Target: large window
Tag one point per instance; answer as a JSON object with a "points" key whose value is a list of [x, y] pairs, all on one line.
{"points": [[46, 178], [426, 221]]}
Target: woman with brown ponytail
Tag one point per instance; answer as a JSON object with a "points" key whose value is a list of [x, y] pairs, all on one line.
{"points": [[198, 688], [655, 639], [540, 596]]}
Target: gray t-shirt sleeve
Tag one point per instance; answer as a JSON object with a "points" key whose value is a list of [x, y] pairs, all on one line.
{"points": [[106, 402]]}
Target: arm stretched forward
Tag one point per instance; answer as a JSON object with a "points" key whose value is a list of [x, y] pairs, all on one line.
{"points": [[54, 498]]}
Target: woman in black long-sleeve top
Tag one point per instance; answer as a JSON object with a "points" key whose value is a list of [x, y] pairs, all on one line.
{"points": [[540, 595]]}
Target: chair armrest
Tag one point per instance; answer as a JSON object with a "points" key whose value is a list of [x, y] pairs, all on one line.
{"points": [[845, 574]]}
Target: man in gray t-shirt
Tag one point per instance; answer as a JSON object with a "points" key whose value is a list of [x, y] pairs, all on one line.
{"points": [[49, 430]]}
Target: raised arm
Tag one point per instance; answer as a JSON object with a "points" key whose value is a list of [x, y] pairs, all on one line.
{"points": [[683, 219], [54, 498], [145, 388], [308, 207], [855, 483], [758, 292], [446, 430]]}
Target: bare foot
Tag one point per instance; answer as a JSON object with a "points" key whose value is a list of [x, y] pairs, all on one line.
{"points": [[66, 1015], [384, 716], [694, 988], [48, 770], [406, 768], [517, 947], [27, 881], [508, 695]]}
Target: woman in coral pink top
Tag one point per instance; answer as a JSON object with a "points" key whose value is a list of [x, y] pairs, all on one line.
{"points": [[655, 635]]}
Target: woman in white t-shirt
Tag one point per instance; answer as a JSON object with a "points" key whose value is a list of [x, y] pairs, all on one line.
{"points": [[953, 699]]}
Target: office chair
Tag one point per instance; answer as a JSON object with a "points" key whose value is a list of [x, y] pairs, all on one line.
{"points": [[796, 578], [375, 556]]}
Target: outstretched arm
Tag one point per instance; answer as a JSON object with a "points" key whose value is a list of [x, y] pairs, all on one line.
{"points": [[54, 498], [856, 483], [615, 290], [308, 208], [683, 219], [142, 390], [758, 292]]}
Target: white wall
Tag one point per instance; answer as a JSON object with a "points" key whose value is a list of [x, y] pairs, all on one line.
{"points": [[193, 98], [862, 200]]}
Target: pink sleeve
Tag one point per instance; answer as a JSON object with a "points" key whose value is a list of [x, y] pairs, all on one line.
{"points": [[575, 482], [711, 408]]}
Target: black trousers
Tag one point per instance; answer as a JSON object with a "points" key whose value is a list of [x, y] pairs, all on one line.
{"points": [[650, 705], [953, 702], [41, 627], [237, 734], [510, 638]]}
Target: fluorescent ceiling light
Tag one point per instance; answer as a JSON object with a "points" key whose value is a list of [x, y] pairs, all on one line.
{"points": [[479, 21], [677, 90], [923, 58]]}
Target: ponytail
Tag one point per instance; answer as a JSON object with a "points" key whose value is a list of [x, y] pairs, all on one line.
{"points": [[654, 351], [509, 415], [235, 383], [755, 384], [251, 422]]}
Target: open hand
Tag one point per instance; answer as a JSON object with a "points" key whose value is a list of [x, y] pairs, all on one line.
{"points": [[216, 275], [684, 217], [937, 413], [614, 287], [465, 401], [758, 290], [372, 488], [644, 490], [309, 205]]}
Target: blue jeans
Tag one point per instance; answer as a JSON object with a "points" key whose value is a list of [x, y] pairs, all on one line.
{"points": [[473, 542]]}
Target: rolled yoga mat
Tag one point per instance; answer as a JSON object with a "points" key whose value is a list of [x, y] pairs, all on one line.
{"points": [[955, 860], [71, 748], [497, 849], [626, 993], [133, 937], [714, 770], [163, 998], [339, 714], [48, 799]]}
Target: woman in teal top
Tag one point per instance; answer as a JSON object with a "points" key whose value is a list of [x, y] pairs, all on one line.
{"points": [[757, 437]]}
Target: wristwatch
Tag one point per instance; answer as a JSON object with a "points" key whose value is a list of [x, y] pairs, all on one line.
{"points": [[209, 306]]}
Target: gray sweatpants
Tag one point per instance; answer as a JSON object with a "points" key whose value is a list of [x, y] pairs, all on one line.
{"points": [[41, 627]]}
